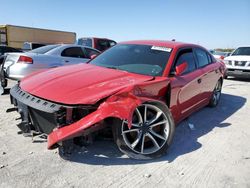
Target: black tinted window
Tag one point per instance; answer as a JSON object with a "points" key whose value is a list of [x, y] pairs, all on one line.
{"points": [[201, 57], [73, 52], [89, 52], [141, 59], [188, 57], [103, 44], [210, 60]]}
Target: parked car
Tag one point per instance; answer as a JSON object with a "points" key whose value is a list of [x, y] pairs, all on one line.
{"points": [[97, 43], [18, 65], [238, 64], [5, 49], [220, 55], [141, 89]]}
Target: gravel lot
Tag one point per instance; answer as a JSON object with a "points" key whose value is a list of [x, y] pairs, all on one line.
{"points": [[215, 154]]}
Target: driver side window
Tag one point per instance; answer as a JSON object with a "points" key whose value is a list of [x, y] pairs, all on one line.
{"points": [[187, 56]]}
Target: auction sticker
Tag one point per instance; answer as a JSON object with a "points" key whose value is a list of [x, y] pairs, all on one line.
{"points": [[161, 48]]}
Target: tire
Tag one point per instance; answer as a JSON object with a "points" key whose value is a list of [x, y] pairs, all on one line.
{"points": [[215, 98], [4, 83], [150, 135]]}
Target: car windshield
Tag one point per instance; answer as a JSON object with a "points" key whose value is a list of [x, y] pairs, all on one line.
{"points": [[44, 49], [140, 59], [242, 51]]}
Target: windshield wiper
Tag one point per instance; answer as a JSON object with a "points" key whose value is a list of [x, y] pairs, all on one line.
{"points": [[111, 67]]}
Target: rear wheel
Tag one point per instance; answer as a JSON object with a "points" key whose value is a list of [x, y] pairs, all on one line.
{"points": [[216, 94], [150, 135], [4, 82]]}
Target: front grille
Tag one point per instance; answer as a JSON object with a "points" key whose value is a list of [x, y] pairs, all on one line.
{"points": [[240, 63], [42, 121], [35, 102]]}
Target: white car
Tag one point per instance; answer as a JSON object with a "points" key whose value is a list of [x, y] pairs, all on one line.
{"points": [[220, 55], [238, 64]]}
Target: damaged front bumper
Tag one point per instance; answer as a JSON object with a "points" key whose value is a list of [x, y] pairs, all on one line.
{"points": [[62, 122]]}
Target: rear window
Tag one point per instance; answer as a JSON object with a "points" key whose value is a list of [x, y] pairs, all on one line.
{"points": [[44, 49], [103, 44], [85, 42]]}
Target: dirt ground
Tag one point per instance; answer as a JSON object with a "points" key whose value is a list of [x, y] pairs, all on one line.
{"points": [[215, 154]]}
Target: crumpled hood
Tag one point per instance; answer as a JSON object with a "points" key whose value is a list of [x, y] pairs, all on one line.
{"points": [[79, 84], [238, 58]]}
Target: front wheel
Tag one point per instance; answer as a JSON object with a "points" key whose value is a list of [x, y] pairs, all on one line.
{"points": [[215, 98], [150, 135]]}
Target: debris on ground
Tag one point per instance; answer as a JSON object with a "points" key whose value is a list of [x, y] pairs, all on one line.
{"points": [[181, 173], [4, 153], [147, 175], [191, 126], [2, 166], [31, 152]]}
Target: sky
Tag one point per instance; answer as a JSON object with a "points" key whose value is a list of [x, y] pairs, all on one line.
{"points": [[210, 23]]}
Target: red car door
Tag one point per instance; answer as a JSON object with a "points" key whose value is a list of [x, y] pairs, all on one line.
{"points": [[185, 88], [210, 72]]}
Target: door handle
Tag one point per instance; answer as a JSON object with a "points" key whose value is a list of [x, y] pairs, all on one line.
{"points": [[199, 80], [66, 61]]}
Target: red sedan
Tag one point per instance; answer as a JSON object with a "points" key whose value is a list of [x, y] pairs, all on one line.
{"points": [[141, 89]]}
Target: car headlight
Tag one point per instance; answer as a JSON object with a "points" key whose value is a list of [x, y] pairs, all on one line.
{"points": [[228, 62]]}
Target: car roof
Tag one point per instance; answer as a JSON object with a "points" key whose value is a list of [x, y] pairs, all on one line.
{"points": [[94, 38], [169, 44]]}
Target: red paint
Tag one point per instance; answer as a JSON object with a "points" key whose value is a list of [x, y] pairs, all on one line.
{"points": [[122, 91]]}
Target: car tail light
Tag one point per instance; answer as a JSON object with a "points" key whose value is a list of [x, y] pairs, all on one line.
{"points": [[222, 57], [25, 60]]}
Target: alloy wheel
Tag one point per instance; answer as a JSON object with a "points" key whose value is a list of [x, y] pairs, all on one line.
{"points": [[149, 131]]}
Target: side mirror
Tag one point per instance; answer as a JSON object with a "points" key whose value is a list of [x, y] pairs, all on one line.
{"points": [[93, 56], [181, 68]]}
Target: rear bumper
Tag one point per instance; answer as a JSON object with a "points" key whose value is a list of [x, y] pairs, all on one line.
{"points": [[17, 72]]}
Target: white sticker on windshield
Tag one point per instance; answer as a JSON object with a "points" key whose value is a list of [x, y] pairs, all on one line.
{"points": [[161, 48]]}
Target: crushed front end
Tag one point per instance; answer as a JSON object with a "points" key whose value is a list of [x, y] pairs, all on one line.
{"points": [[60, 122], [42, 116]]}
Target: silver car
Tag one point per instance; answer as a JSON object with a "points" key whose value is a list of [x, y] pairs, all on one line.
{"points": [[18, 65]]}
